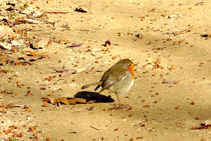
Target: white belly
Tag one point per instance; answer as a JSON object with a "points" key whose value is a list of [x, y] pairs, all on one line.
{"points": [[123, 86]]}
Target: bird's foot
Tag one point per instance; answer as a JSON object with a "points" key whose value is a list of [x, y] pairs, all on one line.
{"points": [[120, 106]]}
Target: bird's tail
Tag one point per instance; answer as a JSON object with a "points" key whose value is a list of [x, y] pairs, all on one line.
{"points": [[92, 84]]}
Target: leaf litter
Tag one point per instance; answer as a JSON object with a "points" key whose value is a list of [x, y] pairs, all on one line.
{"points": [[16, 42], [18, 48]]}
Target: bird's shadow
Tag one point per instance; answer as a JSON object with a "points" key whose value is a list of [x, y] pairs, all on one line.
{"points": [[93, 96]]}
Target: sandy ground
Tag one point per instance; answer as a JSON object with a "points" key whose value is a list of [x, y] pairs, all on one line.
{"points": [[171, 92]]}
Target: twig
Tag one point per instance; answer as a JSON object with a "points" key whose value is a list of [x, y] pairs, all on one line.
{"points": [[181, 31], [95, 128]]}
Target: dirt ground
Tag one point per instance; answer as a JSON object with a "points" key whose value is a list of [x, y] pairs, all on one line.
{"points": [[167, 40]]}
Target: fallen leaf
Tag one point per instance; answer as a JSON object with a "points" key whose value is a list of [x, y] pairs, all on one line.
{"points": [[82, 69], [30, 21], [34, 54], [27, 59], [16, 43], [4, 59], [68, 100], [43, 42], [6, 46], [5, 30], [207, 122], [3, 71], [43, 54]]}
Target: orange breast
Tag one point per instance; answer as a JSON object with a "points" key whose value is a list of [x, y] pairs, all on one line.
{"points": [[131, 69]]}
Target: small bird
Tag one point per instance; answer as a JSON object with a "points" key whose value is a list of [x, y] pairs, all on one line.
{"points": [[118, 79]]}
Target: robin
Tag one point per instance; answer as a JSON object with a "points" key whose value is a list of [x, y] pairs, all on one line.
{"points": [[118, 79]]}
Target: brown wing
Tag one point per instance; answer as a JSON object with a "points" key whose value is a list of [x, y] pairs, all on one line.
{"points": [[115, 74], [109, 81]]}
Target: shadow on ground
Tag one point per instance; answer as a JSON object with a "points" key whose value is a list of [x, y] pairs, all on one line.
{"points": [[93, 96]]}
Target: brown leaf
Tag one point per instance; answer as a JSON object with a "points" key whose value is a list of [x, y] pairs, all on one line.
{"points": [[5, 30], [4, 59], [43, 42], [68, 100], [32, 57], [34, 54], [3, 71], [43, 54], [27, 59]]}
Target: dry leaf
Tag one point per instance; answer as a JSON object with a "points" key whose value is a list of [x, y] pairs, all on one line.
{"points": [[82, 69], [5, 30], [16, 43], [207, 122], [34, 54], [6, 46], [30, 21], [3, 71], [27, 59], [4, 59], [43, 42], [43, 54], [68, 100]]}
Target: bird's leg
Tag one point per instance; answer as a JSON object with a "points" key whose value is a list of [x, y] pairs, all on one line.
{"points": [[120, 105]]}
